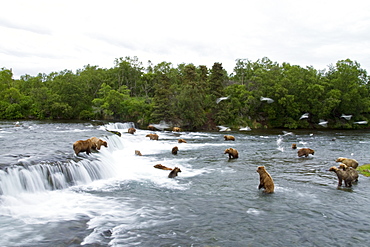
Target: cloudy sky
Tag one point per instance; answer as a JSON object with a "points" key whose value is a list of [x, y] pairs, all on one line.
{"points": [[51, 36]]}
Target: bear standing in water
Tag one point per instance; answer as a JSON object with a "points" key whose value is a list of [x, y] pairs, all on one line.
{"points": [[348, 162], [266, 181], [233, 153], [305, 152]]}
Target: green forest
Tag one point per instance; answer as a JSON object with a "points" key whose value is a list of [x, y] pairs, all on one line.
{"points": [[186, 95]]}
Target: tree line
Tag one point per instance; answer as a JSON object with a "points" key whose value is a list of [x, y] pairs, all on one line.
{"points": [[186, 95]]}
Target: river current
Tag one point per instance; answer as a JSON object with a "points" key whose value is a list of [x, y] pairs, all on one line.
{"points": [[51, 197]]}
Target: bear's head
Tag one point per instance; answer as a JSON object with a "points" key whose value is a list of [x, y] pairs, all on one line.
{"points": [[176, 170], [103, 143], [261, 169], [340, 159]]}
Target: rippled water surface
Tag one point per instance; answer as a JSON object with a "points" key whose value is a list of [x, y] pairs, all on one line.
{"points": [[51, 197]]}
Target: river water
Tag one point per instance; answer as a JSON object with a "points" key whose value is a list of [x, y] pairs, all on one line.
{"points": [[51, 197]]}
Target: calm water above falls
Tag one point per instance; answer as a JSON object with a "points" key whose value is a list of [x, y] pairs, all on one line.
{"points": [[50, 197]]}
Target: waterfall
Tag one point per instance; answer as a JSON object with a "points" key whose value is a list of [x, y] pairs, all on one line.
{"points": [[119, 126], [42, 177]]}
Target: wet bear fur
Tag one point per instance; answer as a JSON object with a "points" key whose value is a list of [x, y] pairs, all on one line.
{"points": [[233, 153], [131, 130], [352, 172], [159, 166], [82, 146], [151, 127], [346, 174], [266, 180], [97, 143], [348, 162], [175, 150], [229, 138], [174, 172], [152, 136], [181, 141], [305, 152]]}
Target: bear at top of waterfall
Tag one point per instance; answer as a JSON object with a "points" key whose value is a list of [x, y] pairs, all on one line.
{"points": [[131, 130], [233, 153], [96, 143], [229, 138], [174, 172], [152, 136], [82, 146], [305, 152], [349, 162], [89, 144], [266, 180]]}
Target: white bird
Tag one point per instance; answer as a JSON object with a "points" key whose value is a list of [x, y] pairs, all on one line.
{"points": [[346, 117], [304, 116], [323, 123], [286, 133], [268, 100], [223, 128], [247, 128], [361, 122], [221, 99]]}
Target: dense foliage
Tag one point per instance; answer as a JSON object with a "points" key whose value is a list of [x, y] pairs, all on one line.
{"points": [[186, 95]]}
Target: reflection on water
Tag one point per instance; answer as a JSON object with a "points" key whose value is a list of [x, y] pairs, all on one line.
{"points": [[113, 197]]}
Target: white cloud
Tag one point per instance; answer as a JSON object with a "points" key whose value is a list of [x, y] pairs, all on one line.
{"points": [[46, 36]]}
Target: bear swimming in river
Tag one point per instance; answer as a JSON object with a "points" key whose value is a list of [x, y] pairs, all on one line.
{"points": [[174, 172]]}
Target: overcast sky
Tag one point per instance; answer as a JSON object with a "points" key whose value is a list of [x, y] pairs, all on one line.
{"points": [[51, 36]]}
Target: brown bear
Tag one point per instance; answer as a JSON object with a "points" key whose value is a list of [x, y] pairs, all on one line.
{"points": [[137, 152], [229, 138], [152, 136], [96, 143], [294, 146], [174, 172], [181, 141], [176, 129], [159, 166], [353, 173], [175, 149], [83, 146], [305, 152], [233, 153], [349, 162], [151, 127], [348, 174], [266, 180], [131, 130]]}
